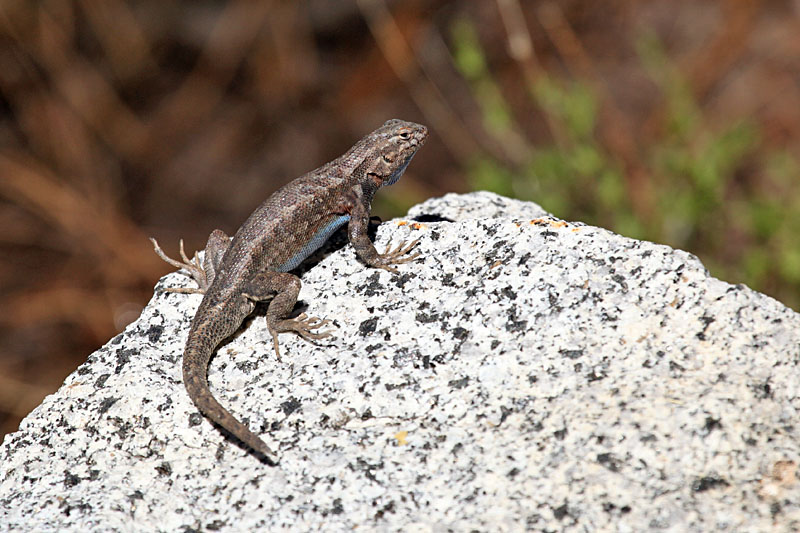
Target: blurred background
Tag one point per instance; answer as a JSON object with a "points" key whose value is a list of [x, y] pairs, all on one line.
{"points": [[675, 121]]}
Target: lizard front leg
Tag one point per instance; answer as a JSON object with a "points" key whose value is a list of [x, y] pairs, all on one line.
{"points": [[204, 274], [284, 287], [359, 239]]}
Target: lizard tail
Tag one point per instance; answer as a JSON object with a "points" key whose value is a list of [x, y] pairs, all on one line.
{"points": [[197, 387]]}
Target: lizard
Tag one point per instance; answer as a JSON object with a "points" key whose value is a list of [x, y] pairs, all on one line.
{"points": [[254, 265]]}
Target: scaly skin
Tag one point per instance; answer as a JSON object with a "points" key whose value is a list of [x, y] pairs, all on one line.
{"points": [[290, 225]]}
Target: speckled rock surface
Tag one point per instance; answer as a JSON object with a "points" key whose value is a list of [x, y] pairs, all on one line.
{"points": [[524, 374]]}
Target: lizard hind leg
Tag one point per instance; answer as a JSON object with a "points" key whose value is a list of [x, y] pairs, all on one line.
{"points": [[203, 274], [284, 288]]}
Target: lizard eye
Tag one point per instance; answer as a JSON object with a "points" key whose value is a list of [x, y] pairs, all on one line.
{"points": [[405, 135]]}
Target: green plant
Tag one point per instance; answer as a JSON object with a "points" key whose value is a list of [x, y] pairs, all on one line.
{"points": [[715, 187]]}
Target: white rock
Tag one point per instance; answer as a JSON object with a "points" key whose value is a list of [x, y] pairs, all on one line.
{"points": [[524, 373]]}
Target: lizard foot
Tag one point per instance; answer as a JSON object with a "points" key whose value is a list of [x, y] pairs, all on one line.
{"points": [[303, 325], [397, 256], [193, 266]]}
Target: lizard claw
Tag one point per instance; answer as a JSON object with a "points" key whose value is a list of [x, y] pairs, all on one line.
{"points": [[193, 266], [397, 256], [303, 325]]}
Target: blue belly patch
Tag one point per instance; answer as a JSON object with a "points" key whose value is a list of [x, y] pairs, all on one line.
{"points": [[314, 243]]}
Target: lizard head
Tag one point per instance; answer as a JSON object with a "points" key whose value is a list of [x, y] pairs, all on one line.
{"points": [[395, 144]]}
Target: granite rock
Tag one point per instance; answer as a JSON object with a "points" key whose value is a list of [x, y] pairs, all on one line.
{"points": [[525, 373]]}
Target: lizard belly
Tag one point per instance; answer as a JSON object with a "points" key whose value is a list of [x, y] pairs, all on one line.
{"points": [[317, 240]]}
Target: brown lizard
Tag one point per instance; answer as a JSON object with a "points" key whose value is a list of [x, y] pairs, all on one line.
{"points": [[254, 264]]}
